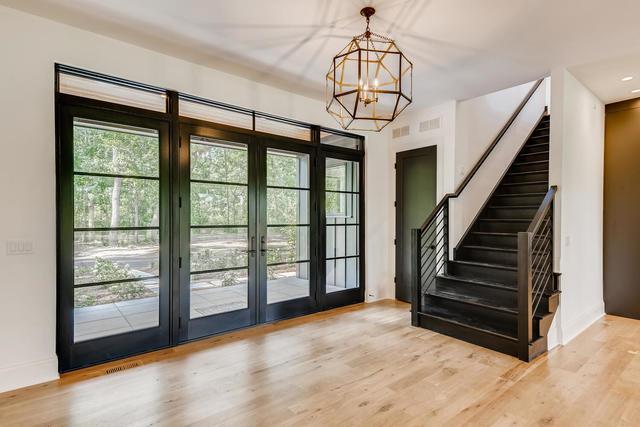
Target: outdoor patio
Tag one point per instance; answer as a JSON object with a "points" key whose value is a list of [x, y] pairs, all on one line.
{"points": [[125, 316]]}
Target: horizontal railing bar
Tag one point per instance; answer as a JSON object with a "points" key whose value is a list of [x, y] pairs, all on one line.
{"points": [[218, 270], [115, 281], [85, 229], [116, 175], [302, 261], [206, 181]]}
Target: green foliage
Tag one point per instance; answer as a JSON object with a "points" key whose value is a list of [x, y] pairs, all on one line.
{"points": [[105, 269]]}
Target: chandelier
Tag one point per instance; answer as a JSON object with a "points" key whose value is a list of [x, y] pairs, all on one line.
{"points": [[369, 82]]}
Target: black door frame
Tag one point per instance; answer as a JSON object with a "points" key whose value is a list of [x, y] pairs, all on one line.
{"points": [[401, 156], [190, 329], [348, 296], [73, 355], [172, 123], [299, 306]]}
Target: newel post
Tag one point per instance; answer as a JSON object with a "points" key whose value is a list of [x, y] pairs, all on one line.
{"points": [[525, 326], [416, 261]]}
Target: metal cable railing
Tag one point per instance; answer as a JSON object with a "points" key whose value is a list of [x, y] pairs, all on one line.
{"points": [[535, 269]]}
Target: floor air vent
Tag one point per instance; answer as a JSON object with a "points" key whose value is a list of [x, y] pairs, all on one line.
{"points": [[122, 367]]}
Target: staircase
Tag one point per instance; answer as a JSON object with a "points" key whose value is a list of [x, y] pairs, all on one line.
{"points": [[499, 290]]}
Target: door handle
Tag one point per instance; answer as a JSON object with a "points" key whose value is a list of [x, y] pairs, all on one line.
{"points": [[252, 246]]}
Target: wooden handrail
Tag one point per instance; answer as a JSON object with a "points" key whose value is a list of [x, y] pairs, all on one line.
{"points": [[484, 156], [542, 210]]}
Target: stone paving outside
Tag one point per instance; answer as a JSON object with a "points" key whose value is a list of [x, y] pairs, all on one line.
{"points": [[114, 318]]}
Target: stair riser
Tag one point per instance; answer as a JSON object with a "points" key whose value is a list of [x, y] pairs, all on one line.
{"points": [[531, 166], [502, 227], [507, 298], [533, 157], [507, 277], [539, 138], [536, 148], [510, 213], [488, 256], [516, 200], [524, 188], [487, 315], [534, 176], [548, 304], [540, 326], [494, 241]]}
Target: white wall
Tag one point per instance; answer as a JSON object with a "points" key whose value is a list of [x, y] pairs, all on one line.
{"points": [[380, 156], [478, 122], [29, 48], [577, 156]]}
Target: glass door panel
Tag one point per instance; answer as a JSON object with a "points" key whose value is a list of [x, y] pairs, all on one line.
{"points": [[286, 223], [342, 230], [114, 228], [116, 237], [217, 271]]}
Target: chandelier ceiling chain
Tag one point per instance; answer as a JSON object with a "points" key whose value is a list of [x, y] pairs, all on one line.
{"points": [[369, 82]]}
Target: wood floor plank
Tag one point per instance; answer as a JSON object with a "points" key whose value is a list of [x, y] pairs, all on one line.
{"points": [[358, 365]]}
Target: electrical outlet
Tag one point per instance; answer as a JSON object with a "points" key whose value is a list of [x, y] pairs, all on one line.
{"points": [[19, 247]]}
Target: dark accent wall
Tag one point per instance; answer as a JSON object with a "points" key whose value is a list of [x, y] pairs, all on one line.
{"points": [[622, 209]]}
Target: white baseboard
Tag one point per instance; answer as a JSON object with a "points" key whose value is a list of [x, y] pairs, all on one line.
{"points": [[29, 373], [575, 327]]}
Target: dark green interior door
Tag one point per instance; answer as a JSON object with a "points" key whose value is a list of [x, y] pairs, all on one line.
{"points": [[415, 198]]}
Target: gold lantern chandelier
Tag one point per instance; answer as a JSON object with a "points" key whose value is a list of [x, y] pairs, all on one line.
{"points": [[369, 82]]}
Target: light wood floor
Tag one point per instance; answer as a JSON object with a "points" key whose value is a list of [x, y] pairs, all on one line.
{"points": [[362, 365]]}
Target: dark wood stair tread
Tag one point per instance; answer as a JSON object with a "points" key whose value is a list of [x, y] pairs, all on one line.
{"points": [[514, 207], [521, 195], [537, 153], [473, 300], [533, 162], [538, 144], [479, 282], [490, 248], [523, 183], [527, 172], [485, 265], [505, 219], [452, 316]]}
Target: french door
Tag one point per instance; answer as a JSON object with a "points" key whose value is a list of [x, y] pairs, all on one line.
{"points": [[114, 247], [246, 230]]}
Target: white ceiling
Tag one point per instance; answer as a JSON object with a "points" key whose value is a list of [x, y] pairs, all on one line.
{"points": [[460, 48]]}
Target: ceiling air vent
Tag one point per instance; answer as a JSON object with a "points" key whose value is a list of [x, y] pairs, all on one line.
{"points": [[430, 125], [400, 132]]}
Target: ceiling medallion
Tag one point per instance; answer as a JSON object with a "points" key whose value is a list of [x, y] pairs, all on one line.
{"points": [[369, 82]]}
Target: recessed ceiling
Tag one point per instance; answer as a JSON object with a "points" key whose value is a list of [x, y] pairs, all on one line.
{"points": [[460, 48], [604, 77]]}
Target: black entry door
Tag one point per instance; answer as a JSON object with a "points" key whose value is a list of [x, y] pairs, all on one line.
{"points": [[218, 238], [247, 229], [113, 229], [415, 198], [287, 230]]}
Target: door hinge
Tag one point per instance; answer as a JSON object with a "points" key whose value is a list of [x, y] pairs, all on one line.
{"points": [[395, 166], [394, 279], [395, 204], [180, 142], [394, 241], [179, 322], [179, 202], [179, 262]]}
